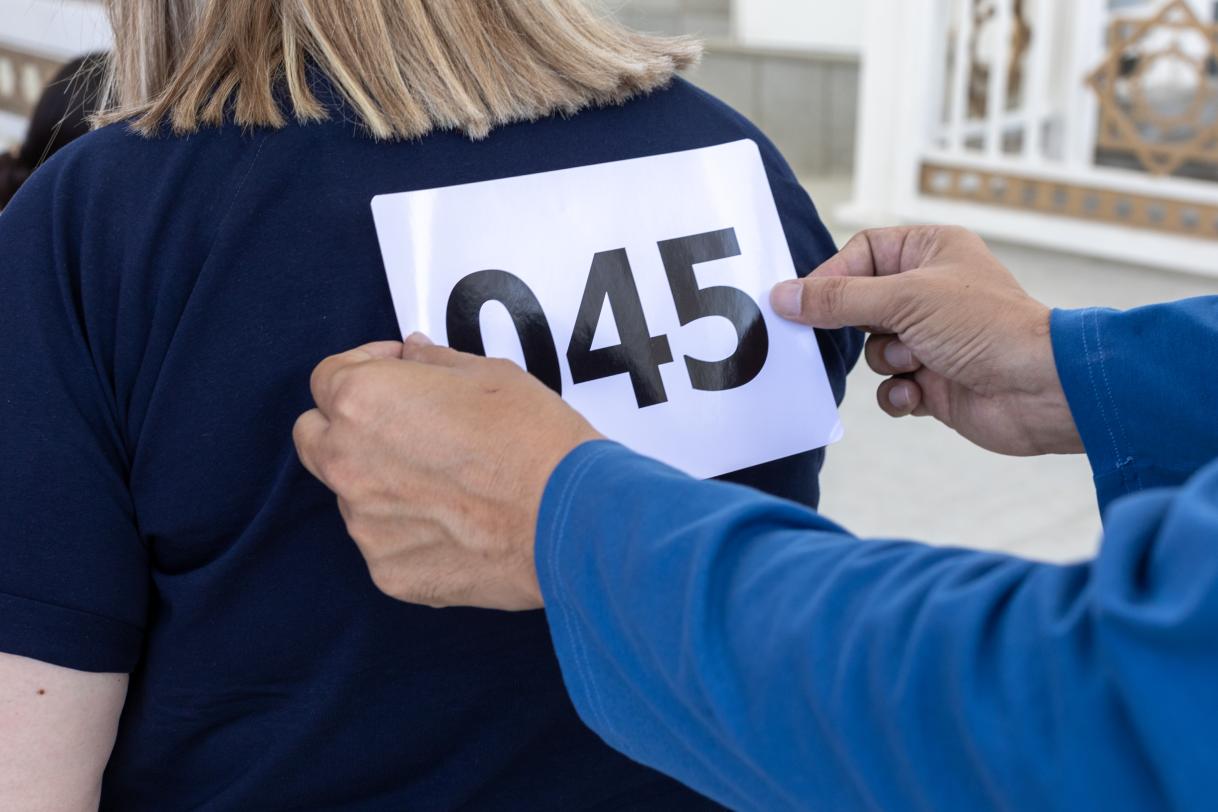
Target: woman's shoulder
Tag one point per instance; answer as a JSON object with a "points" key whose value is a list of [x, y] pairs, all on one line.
{"points": [[675, 118], [686, 97], [114, 157], [113, 184], [65, 168], [682, 110]]}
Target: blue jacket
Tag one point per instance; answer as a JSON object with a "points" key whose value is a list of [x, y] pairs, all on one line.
{"points": [[766, 657]]}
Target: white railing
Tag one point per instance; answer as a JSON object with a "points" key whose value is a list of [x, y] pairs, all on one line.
{"points": [[1010, 144]]}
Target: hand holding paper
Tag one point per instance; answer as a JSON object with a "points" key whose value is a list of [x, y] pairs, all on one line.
{"points": [[639, 290], [961, 340], [439, 460]]}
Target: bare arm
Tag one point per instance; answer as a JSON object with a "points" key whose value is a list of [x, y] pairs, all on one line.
{"points": [[57, 728]]}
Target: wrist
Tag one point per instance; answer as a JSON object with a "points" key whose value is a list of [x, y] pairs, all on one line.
{"points": [[556, 454], [1050, 422], [1053, 428]]}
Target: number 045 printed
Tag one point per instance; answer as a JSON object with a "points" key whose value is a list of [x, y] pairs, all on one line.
{"points": [[638, 290]]}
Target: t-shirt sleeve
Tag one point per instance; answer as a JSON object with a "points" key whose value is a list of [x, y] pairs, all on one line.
{"points": [[74, 572]]}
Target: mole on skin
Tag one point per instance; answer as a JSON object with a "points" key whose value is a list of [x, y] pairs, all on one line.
{"points": [[42, 691]]}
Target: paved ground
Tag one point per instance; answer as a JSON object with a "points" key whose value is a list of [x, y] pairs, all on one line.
{"points": [[914, 479]]}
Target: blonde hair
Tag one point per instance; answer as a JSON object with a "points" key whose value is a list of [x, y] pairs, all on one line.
{"points": [[405, 67]]}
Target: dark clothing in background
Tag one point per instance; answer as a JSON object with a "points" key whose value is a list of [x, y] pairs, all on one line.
{"points": [[60, 117], [162, 303]]}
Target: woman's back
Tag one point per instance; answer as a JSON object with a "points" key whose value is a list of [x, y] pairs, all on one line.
{"points": [[162, 303]]}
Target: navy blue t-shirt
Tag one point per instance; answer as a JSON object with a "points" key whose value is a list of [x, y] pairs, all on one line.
{"points": [[162, 303]]}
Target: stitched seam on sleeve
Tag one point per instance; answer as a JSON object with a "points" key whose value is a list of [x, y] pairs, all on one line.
{"points": [[596, 701], [1095, 390], [561, 516], [579, 651], [83, 612], [1123, 456]]}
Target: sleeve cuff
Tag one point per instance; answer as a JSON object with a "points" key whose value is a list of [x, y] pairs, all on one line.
{"points": [[557, 506], [558, 559], [1082, 359], [67, 637]]}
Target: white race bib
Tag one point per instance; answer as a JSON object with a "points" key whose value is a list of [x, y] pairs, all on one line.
{"points": [[637, 289]]}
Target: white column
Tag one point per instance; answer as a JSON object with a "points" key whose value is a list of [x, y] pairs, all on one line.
{"points": [[960, 73], [881, 87], [996, 101], [1035, 91], [1087, 50]]}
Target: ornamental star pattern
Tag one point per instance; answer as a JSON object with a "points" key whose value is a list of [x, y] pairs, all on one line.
{"points": [[1125, 125]]}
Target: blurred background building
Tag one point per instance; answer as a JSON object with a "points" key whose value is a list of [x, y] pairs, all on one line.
{"points": [[792, 66], [36, 38], [1079, 136]]}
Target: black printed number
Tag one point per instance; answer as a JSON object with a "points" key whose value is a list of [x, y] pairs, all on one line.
{"points": [[640, 355], [693, 303], [464, 321]]}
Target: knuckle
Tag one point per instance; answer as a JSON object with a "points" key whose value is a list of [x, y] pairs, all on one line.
{"points": [[439, 593], [351, 397], [869, 234], [319, 375], [419, 591], [432, 599], [440, 356], [415, 352], [359, 529], [960, 236], [343, 473], [300, 435], [384, 580], [829, 295], [873, 351]]}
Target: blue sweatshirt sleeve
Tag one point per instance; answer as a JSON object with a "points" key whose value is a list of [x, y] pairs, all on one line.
{"points": [[755, 651], [1141, 387]]}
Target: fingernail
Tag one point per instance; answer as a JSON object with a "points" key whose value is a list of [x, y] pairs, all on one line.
{"points": [[417, 339], [787, 298], [898, 396], [898, 355]]}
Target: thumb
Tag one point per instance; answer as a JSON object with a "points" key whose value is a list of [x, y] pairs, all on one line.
{"points": [[832, 302]]}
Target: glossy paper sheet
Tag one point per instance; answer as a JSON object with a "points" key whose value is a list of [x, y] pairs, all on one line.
{"points": [[637, 289]]}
